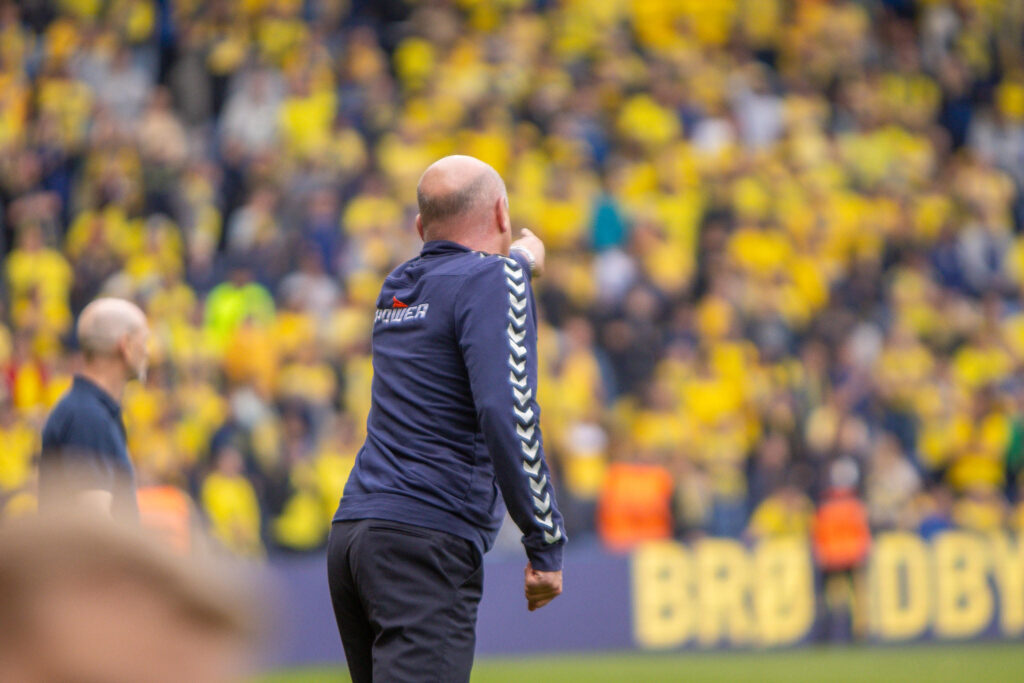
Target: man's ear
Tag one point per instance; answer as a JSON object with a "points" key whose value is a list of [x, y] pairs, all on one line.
{"points": [[502, 215], [122, 349], [419, 226]]}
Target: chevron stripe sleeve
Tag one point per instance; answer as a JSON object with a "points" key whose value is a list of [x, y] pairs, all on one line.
{"points": [[496, 326]]}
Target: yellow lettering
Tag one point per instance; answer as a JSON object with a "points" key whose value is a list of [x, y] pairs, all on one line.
{"points": [[900, 587], [1008, 563], [963, 601], [662, 595], [783, 591], [723, 583]]}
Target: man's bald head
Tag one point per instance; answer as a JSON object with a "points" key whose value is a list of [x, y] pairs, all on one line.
{"points": [[114, 330], [455, 193], [104, 324]]}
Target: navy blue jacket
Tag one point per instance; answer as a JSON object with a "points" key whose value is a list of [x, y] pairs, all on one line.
{"points": [[84, 448], [454, 423]]}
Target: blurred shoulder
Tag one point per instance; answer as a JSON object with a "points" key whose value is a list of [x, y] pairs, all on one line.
{"points": [[76, 406]]}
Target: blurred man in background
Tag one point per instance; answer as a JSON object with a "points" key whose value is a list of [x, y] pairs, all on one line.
{"points": [[453, 429], [88, 600], [841, 539], [84, 451]]}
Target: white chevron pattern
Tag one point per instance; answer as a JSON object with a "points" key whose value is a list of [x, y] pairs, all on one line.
{"points": [[517, 349], [522, 393], [524, 416], [525, 433], [533, 470], [529, 452], [522, 396]]}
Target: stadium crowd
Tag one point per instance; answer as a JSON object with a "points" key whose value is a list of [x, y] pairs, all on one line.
{"points": [[785, 272]]}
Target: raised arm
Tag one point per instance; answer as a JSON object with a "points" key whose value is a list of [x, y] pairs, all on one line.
{"points": [[496, 324]]}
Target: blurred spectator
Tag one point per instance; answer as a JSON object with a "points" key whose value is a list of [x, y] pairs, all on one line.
{"points": [[309, 287], [635, 505], [251, 114], [234, 302], [786, 512], [167, 511], [18, 445], [231, 506], [892, 482], [842, 539], [120, 84], [935, 512]]}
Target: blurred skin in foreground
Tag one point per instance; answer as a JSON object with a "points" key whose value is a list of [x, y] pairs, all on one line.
{"points": [[93, 601]]}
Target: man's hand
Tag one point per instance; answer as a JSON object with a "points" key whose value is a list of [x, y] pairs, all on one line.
{"points": [[541, 587], [532, 244]]}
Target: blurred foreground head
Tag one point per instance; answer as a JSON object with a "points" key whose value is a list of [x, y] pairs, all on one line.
{"points": [[90, 601]]}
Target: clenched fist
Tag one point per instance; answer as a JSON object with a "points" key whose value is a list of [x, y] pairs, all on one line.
{"points": [[541, 587]]}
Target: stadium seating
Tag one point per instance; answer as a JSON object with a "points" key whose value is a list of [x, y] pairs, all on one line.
{"points": [[784, 243]]}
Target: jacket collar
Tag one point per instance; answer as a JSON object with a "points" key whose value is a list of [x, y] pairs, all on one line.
{"points": [[442, 248]]}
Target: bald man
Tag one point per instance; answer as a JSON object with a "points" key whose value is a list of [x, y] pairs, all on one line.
{"points": [[453, 438], [84, 463]]}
